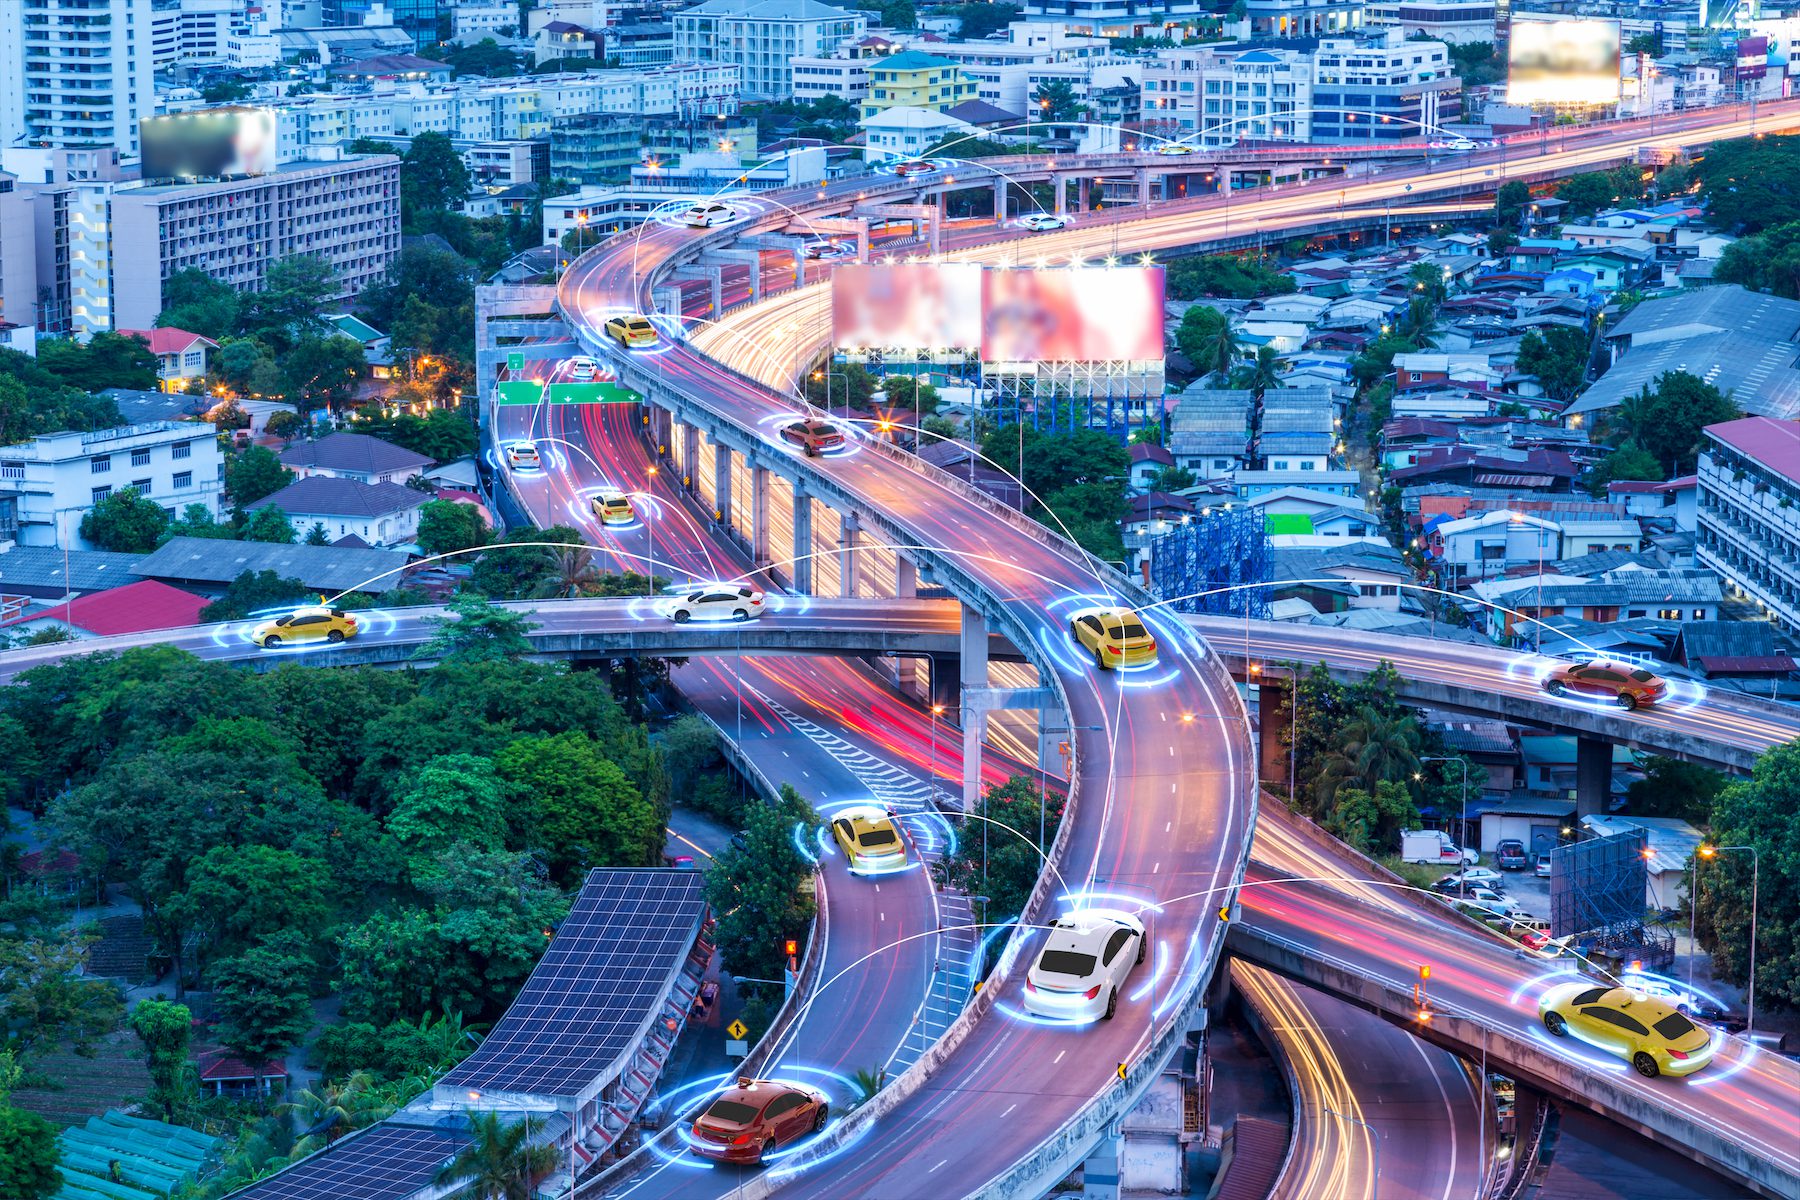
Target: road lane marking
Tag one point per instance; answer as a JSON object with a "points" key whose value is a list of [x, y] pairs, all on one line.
{"points": [[939, 1165], [1058, 1058]]}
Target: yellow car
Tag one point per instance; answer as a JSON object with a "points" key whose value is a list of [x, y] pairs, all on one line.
{"points": [[613, 508], [1115, 636], [305, 625], [870, 840], [1655, 1038], [631, 331]]}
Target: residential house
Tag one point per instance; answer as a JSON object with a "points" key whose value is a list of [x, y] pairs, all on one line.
{"points": [[56, 478], [1752, 656], [1373, 576], [381, 514], [1297, 429], [209, 565], [180, 355], [1209, 431], [129, 608], [1619, 595], [1431, 369], [356, 456], [1333, 481], [1147, 461], [909, 132]]}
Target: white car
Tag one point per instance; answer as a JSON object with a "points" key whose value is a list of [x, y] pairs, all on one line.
{"points": [[718, 602], [828, 249], [523, 456], [1471, 876], [707, 214], [1458, 144], [1083, 966], [1042, 222], [1542, 870], [583, 369]]}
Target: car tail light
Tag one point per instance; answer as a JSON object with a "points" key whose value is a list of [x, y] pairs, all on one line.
{"points": [[1114, 650], [1030, 986], [1093, 991], [1151, 645], [1674, 1053], [742, 1139]]}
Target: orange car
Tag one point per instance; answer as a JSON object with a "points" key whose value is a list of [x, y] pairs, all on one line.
{"points": [[1625, 684], [756, 1116]]}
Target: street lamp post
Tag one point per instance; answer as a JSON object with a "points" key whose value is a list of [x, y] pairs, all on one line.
{"points": [[650, 533], [1755, 882], [828, 376], [1462, 871], [1374, 1143], [937, 710]]}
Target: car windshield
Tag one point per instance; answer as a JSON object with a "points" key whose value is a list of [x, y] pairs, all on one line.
{"points": [[1066, 962], [878, 837], [735, 1112], [824, 430], [1642, 676], [1674, 1027], [1133, 630]]}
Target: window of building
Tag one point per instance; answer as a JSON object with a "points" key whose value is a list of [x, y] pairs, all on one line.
{"points": [[184, 480], [142, 486], [101, 493], [100, 464], [181, 450], [140, 458]]}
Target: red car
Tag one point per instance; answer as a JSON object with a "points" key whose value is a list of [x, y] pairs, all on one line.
{"points": [[1625, 684], [756, 1116], [915, 166], [813, 437]]}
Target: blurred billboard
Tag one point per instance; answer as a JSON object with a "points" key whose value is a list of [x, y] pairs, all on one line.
{"points": [[211, 143], [1083, 314], [906, 306], [1563, 62]]}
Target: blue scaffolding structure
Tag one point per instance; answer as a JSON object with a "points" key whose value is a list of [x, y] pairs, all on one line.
{"points": [[1203, 566]]}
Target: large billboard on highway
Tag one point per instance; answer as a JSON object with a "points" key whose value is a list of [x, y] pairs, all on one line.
{"points": [[906, 306], [1082, 314], [1563, 62], [212, 143]]}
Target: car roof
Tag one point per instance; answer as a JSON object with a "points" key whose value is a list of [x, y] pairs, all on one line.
{"points": [[760, 1092], [863, 819]]}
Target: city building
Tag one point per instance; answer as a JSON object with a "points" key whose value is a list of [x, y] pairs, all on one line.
{"points": [[1382, 88], [475, 19], [380, 514], [18, 268], [75, 72], [354, 456], [180, 355], [346, 212], [1749, 512], [1303, 18], [56, 478], [1119, 18], [194, 32], [1225, 95], [1456, 21], [559, 40], [913, 79], [641, 44], [418, 19], [69, 191], [910, 132], [763, 37]]}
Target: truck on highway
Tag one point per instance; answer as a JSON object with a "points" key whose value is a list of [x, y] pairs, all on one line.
{"points": [[1434, 846]]}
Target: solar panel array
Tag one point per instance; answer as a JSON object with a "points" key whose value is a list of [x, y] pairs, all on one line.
{"points": [[601, 978], [388, 1162]]}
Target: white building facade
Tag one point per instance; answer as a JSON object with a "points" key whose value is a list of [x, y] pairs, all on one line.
{"points": [[75, 72], [59, 477], [1748, 526], [763, 37]]}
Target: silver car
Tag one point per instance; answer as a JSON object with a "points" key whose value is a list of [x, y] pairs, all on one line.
{"points": [[1083, 966]]}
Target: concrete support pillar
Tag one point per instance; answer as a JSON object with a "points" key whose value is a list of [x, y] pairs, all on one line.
{"points": [[759, 515], [906, 577], [1143, 187], [999, 199], [1593, 776], [668, 300], [937, 226], [801, 571], [756, 281], [1060, 188], [974, 716], [715, 277], [847, 556], [799, 267], [862, 243], [690, 455], [1053, 733], [1100, 1173], [1274, 712], [1081, 195], [722, 482], [945, 673]]}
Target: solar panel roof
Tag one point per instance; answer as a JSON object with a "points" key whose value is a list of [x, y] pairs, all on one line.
{"points": [[386, 1162], [599, 983]]}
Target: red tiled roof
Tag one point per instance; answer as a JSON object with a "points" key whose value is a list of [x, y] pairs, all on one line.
{"points": [[1679, 485], [216, 1065], [1746, 664], [133, 608], [60, 862], [1774, 444], [168, 340], [1634, 486]]}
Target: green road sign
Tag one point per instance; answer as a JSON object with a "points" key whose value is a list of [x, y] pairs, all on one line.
{"points": [[515, 362], [528, 391]]}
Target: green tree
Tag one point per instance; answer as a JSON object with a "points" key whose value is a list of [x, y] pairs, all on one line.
{"points": [[504, 1159], [756, 888], [1629, 461], [195, 301], [1372, 822], [318, 535], [432, 175], [446, 526], [1752, 184], [1375, 360], [458, 798], [1558, 357], [45, 997], [125, 522], [486, 58], [1767, 260], [898, 14], [268, 524], [584, 812], [1232, 275], [1207, 340], [1172, 479], [420, 271], [263, 997], [1055, 100], [1667, 421], [1509, 202], [287, 308], [1762, 811], [256, 591], [29, 1153], [477, 631], [324, 372], [164, 1028], [1588, 194], [979, 18], [236, 894], [442, 435], [1373, 747], [1001, 860], [252, 473], [1674, 788], [107, 360], [510, 571], [1261, 373]]}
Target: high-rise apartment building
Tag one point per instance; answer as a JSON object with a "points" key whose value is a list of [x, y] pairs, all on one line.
{"points": [[1749, 511], [75, 72], [763, 37]]}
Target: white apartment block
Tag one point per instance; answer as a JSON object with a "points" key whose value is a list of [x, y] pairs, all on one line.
{"points": [[1216, 97], [194, 31], [346, 212], [18, 269], [1381, 88], [75, 72], [1444, 20], [1304, 18], [1748, 528], [816, 78], [475, 19], [763, 37], [308, 121], [1117, 17], [58, 477]]}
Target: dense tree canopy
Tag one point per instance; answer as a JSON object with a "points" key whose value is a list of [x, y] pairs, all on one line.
{"points": [[1752, 184], [1762, 811], [1225, 275]]}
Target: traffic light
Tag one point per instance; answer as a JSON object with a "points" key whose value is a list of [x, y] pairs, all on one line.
{"points": [[791, 948], [1424, 971]]}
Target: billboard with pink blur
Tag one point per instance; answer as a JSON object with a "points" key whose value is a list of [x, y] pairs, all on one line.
{"points": [[1078, 314], [906, 306]]}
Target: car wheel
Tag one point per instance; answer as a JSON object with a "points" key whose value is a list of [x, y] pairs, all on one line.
{"points": [[1143, 947], [762, 1150], [1645, 1065], [1112, 1004], [1099, 659], [272, 641], [1556, 1025], [1074, 633], [1627, 701], [821, 1118], [681, 616], [335, 636], [1554, 687], [740, 615]]}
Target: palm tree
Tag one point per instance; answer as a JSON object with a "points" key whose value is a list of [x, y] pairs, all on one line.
{"points": [[501, 1162], [1206, 337], [1375, 747], [333, 1109], [572, 575], [1264, 372]]}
